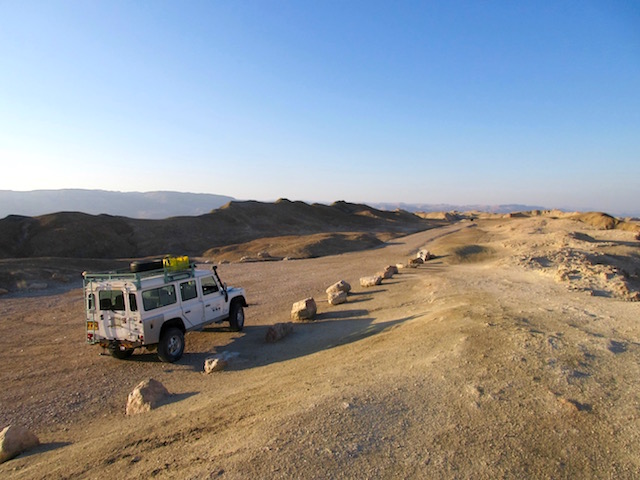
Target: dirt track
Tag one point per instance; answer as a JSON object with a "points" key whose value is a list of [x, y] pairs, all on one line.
{"points": [[473, 365]]}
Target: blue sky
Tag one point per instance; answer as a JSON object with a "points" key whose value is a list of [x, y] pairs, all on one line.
{"points": [[406, 101]]}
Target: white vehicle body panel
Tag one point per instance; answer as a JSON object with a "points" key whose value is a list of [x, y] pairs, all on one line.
{"points": [[130, 309]]}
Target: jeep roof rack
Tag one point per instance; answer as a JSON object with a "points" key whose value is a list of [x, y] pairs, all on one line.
{"points": [[137, 277]]}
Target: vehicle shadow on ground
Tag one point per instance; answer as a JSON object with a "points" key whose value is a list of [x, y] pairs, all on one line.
{"points": [[329, 330]]}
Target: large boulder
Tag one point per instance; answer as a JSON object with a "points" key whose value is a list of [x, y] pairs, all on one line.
{"points": [[278, 331], [340, 286], [304, 310], [370, 281], [147, 395], [15, 440], [336, 298]]}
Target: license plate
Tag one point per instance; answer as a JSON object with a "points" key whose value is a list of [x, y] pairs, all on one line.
{"points": [[92, 325]]}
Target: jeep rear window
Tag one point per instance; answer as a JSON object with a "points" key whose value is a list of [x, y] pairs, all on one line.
{"points": [[111, 300], [209, 285], [159, 297]]}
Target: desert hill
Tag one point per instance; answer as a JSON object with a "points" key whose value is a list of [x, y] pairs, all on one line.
{"points": [[80, 235], [515, 353]]}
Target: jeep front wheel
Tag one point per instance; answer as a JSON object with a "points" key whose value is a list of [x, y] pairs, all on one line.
{"points": [[236, 317], [171, 346]]}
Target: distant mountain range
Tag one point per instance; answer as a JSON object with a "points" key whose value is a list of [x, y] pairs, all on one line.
{"points": [[150, 205], [160, 205], [446, 207]]}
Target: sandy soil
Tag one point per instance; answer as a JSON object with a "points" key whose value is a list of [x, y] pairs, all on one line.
{"points": [[514, 354]]}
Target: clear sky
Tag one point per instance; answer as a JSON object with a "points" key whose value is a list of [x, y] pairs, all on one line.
{"points": [[366, 101]]}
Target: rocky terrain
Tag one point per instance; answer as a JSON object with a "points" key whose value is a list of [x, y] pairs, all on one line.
{"points": [[515, 353]]}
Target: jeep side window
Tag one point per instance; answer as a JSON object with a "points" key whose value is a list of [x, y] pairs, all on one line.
{"points": [[111, 300], [209, 285], [133, 303], [159, 297], [188, 290]]}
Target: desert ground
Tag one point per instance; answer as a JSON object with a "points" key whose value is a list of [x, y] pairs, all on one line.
{"points": [[515, 353]]}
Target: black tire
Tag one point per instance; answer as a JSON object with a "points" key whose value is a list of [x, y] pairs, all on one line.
{"points": [[120, 354], [236, 317], [171, 346]]}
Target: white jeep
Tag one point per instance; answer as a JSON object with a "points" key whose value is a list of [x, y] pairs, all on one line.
{"points": [[154, 303]]}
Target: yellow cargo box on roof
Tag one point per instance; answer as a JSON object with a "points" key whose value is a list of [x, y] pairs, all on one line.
{"points": [[175, 264]]}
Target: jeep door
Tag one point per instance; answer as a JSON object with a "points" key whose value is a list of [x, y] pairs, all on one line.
{"points": [[213, 298], [117, 319], [192, 306]]}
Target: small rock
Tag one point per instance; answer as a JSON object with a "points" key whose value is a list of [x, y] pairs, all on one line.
{"points": [[336, 298], [389, 271], [304, 310], [220, 361], [214, 364], [370, 281], [3, 291], [147, 395], [38, 286], [400, 266], [15, 440], [414, 262], [425, 255], [340, 286], [574, 405], [278, 331]]}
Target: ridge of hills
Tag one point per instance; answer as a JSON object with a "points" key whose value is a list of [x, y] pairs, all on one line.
{"points": [[82, 235]]}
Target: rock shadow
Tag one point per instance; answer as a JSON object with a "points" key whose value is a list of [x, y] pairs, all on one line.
{"points": [[177, 397], [617, 347], [339, 314], [44, 447], [366, 292]]}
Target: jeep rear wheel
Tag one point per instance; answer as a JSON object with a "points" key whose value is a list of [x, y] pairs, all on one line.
{"points": [[171, 346], [236, 317]]}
